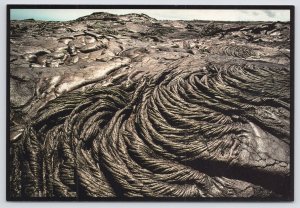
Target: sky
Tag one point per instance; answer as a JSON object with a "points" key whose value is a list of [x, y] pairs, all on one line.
{"points": [[160, 14]]}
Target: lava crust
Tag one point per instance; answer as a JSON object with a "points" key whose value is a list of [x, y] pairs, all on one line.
{"points": [[129, 106]]}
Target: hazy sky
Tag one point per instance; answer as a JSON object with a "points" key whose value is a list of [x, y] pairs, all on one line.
{"points": [[170, 14]]}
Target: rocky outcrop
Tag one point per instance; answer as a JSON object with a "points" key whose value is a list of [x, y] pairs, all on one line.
{"points": [[130, 106]]}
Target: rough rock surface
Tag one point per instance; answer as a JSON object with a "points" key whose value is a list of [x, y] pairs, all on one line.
{"points": [[129, 106]]}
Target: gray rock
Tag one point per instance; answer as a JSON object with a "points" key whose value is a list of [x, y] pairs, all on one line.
{"points": [[41, 60], [89, 39], [33, 65], [93, 34], [71, 60], [30, 57], [54, 64], [89, 48], [72, 48], [66, 40], [21, 92], [57, 55]]}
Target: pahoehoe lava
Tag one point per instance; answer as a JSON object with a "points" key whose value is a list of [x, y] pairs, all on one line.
{"points": [[130, 106]]}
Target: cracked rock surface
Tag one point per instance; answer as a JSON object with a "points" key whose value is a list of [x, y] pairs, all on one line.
{"points": [[130, 106]]}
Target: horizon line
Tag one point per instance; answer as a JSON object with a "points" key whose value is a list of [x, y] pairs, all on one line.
{"points": [[228, 15]]}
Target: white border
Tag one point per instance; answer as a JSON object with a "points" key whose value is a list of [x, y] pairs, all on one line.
{"points": [[3, 15]]}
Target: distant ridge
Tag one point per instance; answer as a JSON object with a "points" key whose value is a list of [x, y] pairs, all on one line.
{"points": [[114, 17]]}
